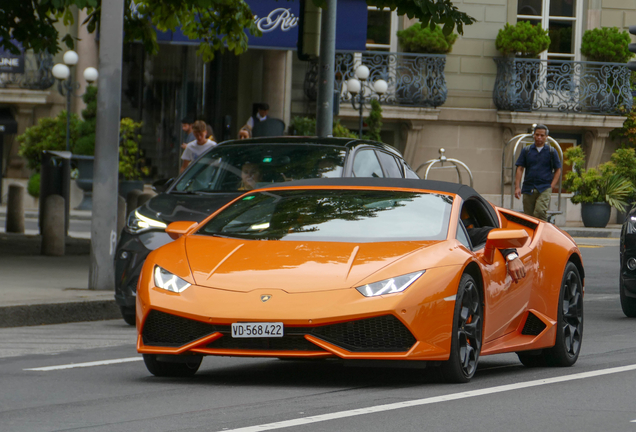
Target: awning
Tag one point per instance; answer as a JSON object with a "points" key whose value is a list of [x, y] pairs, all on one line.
{"points": [[278, 20], [8, 125]]}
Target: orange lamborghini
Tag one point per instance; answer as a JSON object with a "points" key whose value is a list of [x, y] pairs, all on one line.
{"points": [[361, 269]]}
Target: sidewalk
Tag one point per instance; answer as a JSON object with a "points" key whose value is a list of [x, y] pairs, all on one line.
{"points": [[37, 289]]}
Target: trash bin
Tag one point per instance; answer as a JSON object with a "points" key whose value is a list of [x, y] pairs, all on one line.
{"points": [[55, 179]]}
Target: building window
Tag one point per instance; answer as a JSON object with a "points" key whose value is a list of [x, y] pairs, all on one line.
{"points": [[381, 30], [563, 20]]}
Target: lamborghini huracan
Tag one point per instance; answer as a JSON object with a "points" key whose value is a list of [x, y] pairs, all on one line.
{"points": [[361, 269]]}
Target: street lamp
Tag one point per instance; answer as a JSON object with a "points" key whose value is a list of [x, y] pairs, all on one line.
{"points": [[355, 86], [66, 86]]}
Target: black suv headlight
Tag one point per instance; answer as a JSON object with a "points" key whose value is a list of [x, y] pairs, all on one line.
{"points": [[138, 223]]}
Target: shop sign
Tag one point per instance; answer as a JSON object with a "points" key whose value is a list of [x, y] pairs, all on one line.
{"points": [[12, 63], [279, 20]]}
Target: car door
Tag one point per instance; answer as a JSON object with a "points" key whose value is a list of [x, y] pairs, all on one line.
{"points": [[505, 300]]}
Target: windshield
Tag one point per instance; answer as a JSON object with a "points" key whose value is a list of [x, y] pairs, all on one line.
{"points": [[244, 167], [359, 216]]}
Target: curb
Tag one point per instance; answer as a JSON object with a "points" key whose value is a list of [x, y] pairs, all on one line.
{"points": [[32, 214], [593, 232], [58, 313]]}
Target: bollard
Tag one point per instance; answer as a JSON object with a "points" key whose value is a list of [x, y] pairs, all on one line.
{"points": [[121, 214], [53, 221], [143, 198], [132, 199], [15, 210]]}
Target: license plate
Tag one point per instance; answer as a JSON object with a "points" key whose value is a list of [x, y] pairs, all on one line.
{"points": [[257, 330]]}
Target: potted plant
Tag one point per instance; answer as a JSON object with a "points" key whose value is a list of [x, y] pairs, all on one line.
{"points": [[624, 162], [607, 45], [597, 189], [424, 39], [84, 148], [516, 80], [131, 162]]}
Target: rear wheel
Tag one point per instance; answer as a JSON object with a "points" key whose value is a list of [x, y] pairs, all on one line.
{"points": [[177, 368], [467, 333], [569, 337], [627, 303]]}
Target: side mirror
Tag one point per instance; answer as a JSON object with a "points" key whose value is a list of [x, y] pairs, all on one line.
{"points": [[503, 239], [179, 228], [162, 185]]}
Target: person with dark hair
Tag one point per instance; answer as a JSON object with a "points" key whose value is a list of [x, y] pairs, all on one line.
{"points": [[543, 169], [262, 109], [197, 147], [186, 127]]}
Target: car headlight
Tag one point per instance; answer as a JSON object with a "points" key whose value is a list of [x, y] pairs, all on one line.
{"points": [[168, 281], [138, 223], [389, 286]]}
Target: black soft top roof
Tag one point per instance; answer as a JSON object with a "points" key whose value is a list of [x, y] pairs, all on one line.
{"points": [[463, 191]]}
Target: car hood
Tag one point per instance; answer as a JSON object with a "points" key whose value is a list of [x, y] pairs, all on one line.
{"points": [[170, 207], [293, 266]]}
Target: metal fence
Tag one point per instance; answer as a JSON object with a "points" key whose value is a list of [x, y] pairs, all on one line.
{"points": [[413, 79], [37, 73], [562, 86]]}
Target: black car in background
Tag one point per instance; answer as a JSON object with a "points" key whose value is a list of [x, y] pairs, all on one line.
{"points": [[627, 279], [227, 171]]}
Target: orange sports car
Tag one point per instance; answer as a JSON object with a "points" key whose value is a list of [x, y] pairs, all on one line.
{"points": [[386, 270]]}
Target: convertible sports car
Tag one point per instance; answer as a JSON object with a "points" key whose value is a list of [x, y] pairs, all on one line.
{"points": [[360, 269]]}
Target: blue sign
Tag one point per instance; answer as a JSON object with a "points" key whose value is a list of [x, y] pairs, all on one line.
{"points": [[12, 63], [278, 21]]}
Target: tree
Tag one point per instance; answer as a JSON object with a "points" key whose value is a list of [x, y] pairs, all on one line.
{"points": [[219, 24]]}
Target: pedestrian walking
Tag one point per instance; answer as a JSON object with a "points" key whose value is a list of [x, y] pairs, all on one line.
{"points": [[543, 169], [197, 147]]}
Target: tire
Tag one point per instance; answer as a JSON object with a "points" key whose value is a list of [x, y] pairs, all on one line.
{"points": [[531, 360], [466, 339], [128, 314], [627, 303], [170, 369]]}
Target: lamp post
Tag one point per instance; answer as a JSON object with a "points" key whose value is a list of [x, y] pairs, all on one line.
{"points": [[356, 85], [66, 86]]}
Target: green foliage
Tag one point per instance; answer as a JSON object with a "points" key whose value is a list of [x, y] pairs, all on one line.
{"points": [[522, 40], [48, 134], [626, 134], [130, 161], [342, 131], [306, 126], [423, 39], [606, 44], [85, 143], [219, 24], [33, 187], [374, 121], [603, 184]]}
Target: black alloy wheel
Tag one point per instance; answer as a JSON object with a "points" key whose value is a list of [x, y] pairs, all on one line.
{"points": [[467, 333], [175, 368], [569, 337]]}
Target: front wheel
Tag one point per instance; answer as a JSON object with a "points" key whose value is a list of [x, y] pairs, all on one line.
{"points": [[467, 333], [180, 368], [128, 314]]}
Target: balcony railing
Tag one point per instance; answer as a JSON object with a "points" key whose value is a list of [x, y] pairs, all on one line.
{"points": [[413, 79], [562, 86], [37, 73]]}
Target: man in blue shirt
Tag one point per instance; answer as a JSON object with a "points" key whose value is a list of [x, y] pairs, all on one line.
{"points": [[543, 171]]}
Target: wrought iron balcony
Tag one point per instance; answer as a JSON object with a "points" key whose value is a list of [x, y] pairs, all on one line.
{"points": [[413, 79], [37, 73], [562, 86]]}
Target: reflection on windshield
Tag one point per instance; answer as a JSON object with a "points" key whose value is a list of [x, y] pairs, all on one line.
{"points": [[245, 167], [335, 215]]}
